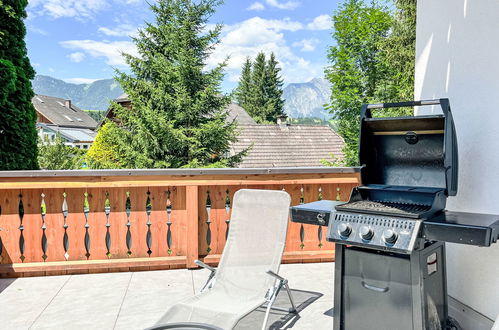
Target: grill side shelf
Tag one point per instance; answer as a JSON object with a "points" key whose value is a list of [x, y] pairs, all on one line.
{"points": [[463, 228], [315, 213]]}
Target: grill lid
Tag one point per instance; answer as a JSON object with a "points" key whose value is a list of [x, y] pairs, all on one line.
{"points": [[419, 151]]}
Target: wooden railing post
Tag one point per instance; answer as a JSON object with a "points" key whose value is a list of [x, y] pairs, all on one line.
{"points": [[191, 196]]}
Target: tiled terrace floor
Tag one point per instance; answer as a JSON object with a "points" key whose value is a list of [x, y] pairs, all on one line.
{"points": [[137, 300]]}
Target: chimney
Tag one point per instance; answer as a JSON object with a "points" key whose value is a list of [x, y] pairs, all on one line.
{"points": [[282, 121], [67, 104]]}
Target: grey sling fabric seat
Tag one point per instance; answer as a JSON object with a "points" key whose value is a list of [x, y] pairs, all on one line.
{"points": [[247, 274]]}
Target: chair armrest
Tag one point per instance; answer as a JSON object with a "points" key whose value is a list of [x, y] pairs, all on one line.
{"points": [[280, 278], [202, 264]]}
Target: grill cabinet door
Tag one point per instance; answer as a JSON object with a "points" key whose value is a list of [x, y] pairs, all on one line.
{"points": [[377, 291]]}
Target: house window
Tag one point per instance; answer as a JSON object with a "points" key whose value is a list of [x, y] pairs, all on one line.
{"points": [[85, 146]]}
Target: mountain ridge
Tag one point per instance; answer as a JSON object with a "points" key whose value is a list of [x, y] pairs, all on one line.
{"points": [[302, 100], [93, 96]]}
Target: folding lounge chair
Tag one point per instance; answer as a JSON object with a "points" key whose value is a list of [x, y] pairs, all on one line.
{"points": [[247, 274]]}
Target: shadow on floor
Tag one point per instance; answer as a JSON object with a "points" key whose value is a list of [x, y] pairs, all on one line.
{"points": [[278, 319], [5, 282]]}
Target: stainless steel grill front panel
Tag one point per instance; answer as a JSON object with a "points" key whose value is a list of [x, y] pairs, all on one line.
{"points": [[373, 231]]}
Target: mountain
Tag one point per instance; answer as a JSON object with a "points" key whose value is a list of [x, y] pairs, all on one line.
{"points": [[94, 96], [307, 99], [302, 100]]}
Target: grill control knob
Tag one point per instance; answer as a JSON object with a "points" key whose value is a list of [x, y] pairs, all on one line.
{"points": [[366, 233], [390, 236], [344, 229]]}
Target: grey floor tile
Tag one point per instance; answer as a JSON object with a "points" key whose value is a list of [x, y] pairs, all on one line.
{"points": [[150, 294], [136, 300], [22, 300], [86, 302]]}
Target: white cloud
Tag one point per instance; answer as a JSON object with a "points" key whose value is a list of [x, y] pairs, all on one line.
{"points": [[66, 8], [122, 30], [76, 57], [289, 5], [307, 45], [256, 6], [74, 8], [107, 49], [257, 34], [79, 80], [322, 22], [35, 29]]}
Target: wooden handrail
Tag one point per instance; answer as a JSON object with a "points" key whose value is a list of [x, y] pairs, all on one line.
{"points": [[61, 222]]}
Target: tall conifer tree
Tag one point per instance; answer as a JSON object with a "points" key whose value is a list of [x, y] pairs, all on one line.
{"points": [[273, 80], [18, 138], [243, 91], [260, 89], [178, 114], [258, 99]]}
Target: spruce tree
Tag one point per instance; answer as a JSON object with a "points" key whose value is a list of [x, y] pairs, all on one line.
{"points": [[178, 114], [243, 90], [18, 137], [275, 104], [258, 97], [260, 89]]}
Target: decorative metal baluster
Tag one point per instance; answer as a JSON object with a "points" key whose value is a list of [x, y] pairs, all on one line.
{"points": [[302, 229], [149, 234], [319, 230], [128, 208], [169, 222], [43, 211], [21, 227], [107, 211], [86, 210], [338, 197], [208, 221], [227, 212], [65, 239]]}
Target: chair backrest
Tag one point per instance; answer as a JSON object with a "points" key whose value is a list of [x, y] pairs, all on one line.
{"points": [[255, 243]]}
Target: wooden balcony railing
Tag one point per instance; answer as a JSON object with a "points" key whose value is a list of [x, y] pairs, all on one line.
{"points": [[66, 222]]}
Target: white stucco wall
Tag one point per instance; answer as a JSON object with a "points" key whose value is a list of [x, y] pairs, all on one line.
{"points": [[457, 56]]}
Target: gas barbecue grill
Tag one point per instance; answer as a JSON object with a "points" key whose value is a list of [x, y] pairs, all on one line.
{"points": [[390, 270]]}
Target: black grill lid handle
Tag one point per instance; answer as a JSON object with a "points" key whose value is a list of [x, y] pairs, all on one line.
{"points": [[366, 108]]}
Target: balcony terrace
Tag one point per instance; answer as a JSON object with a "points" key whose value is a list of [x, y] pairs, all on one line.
{"points": [[120, 222]]}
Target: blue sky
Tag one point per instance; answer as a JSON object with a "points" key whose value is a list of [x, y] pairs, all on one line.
{"points": [[80, 40]]}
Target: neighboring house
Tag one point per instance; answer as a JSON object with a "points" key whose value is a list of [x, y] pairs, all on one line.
{"points": [[76, 137], [235, 112], [56, 115], [280, 145], [284, 145]]}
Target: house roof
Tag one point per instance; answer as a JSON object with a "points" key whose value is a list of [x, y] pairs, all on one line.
{"points": [[122, 98], [288, 146], [62, 112], [236, 112], [71, 134]]}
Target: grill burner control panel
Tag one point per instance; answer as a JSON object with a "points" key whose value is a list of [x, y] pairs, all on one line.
{"points": [[373, 231]]}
